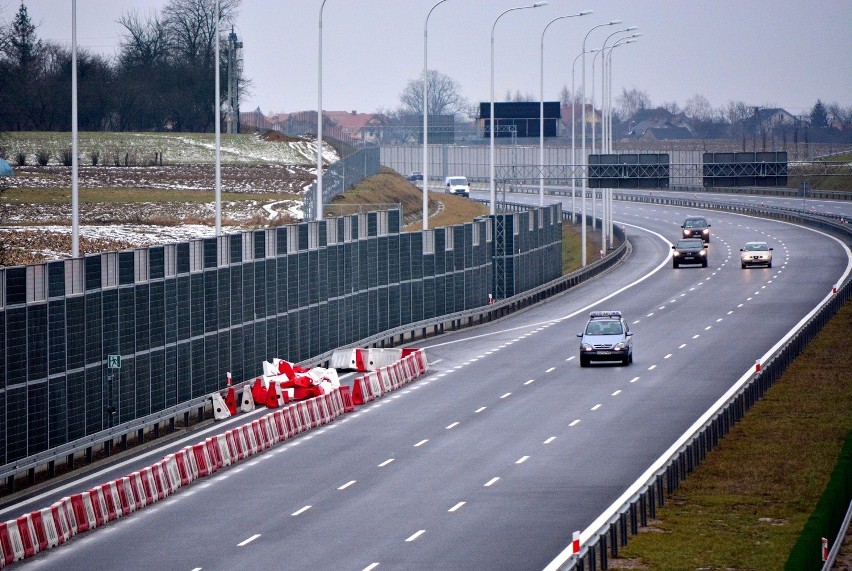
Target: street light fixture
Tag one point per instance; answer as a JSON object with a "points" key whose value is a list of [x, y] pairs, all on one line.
{"points": [[426, 120], [541, 105], [492, 209], [611, 23]]}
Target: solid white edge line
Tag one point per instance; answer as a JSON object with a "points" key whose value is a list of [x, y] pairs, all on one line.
{"points": [[634, 488]]}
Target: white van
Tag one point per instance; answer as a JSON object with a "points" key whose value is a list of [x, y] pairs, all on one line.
{"points": [[458, 185]]}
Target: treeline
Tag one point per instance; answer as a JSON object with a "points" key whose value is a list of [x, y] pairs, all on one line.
{"points": [[161, 79]]}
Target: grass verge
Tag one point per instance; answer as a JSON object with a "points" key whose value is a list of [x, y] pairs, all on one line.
{"points": [[745, 506]]}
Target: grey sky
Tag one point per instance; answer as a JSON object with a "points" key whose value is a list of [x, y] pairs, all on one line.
{"points": [[784, 53]]}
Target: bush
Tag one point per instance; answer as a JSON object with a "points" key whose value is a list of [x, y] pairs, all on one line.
{"points": [[95, 155], [4, 153], [21, 159], [66, 157], [42, 157]]}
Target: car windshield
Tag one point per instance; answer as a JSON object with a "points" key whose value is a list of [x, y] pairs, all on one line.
{"points": [[695, 223], [682, 244], [458, 181], [756, 247], [604, 328]]}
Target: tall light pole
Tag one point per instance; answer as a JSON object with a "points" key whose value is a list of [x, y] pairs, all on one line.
{"points": [[218, 111], [601, 52], [319, 119], [604, 81], [541, 107], [493, 192], [573, 150], [426, 119], [583, 152], [75, 193], [620, 42]]}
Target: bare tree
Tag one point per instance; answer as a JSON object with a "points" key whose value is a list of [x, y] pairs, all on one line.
{"points": [[631, 102], [698, 108], [191, 26], [672, 107], [840, 116], [145, 42], [444, 96]]}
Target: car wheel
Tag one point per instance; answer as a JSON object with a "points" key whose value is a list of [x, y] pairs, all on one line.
{"points": [[704, 264], [769, 265], [675, 265], [626, 361], [630, 358], [584, 362], [743, 265]]}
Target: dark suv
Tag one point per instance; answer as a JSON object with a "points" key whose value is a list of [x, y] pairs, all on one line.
{"points": [[696, 227], [607, 337], [689, 251]]}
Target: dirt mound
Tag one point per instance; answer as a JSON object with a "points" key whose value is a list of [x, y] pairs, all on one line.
{"points": [[277, 136]]}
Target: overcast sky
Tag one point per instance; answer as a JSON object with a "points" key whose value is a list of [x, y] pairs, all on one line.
{"points": [[784, 53]]}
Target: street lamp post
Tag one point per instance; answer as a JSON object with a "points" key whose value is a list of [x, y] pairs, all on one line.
{"points": [[541, 106], [620, 42], [218, 111], [319, 119], [603, 79], [75, 193], [493, 192], [573, 150], [583, 152], [426, 119]]}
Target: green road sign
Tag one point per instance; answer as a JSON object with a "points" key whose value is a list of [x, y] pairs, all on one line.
{"points": [[114, 361]]}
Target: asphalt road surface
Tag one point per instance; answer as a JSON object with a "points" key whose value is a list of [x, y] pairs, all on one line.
{"points": [[507, 446]]}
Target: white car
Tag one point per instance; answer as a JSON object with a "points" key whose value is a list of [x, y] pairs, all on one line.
{"points": [[756, 254], [458, 185]]}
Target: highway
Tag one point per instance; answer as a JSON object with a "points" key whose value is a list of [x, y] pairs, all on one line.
{"points": [[507, 446]]}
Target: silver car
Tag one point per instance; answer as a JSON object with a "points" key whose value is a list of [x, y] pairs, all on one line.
{"points": [[607, 337], [756, 254]]}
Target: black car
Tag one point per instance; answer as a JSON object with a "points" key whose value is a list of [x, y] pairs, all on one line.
{"points": [[416, 175], [690, 251], [696, 227]]}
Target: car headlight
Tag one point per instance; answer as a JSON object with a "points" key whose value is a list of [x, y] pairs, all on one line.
{"points": [[705, 231], [676, 253], [585, 347], [620, 346], [703, 252]]}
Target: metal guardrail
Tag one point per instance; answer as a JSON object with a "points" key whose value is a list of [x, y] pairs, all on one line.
{"points": [[639, 503]]}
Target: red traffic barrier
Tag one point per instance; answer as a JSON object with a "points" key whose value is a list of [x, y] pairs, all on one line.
{"points": [[348, 399], [10, 543], [258, 393], [27, 534], [127, 495], [231, 400], [575, 542], [84, 513], [757, 366]]}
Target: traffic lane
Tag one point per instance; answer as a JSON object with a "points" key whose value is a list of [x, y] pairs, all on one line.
{"points": [[499, 388], [815, 206]]}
